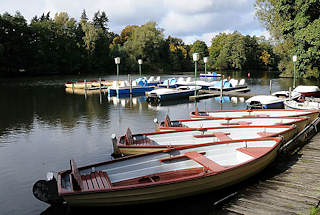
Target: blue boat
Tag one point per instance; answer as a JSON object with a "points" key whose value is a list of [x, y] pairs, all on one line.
{"points": [[125, 89]]}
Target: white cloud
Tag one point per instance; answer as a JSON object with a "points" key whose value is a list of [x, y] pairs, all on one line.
{"points": [[179, 18], [206, 37]]}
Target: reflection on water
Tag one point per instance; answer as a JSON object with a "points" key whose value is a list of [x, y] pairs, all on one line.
{"points": [[42, 126]]}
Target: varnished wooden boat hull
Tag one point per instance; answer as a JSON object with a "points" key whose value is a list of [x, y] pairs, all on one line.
{"points": [[149, 193], [312, 114]]}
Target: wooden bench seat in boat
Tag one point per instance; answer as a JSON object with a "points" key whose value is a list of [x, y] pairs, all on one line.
{"points": [[220, 135], [90, 182], [204, 161], [255, 152], [96, 181], [241, 123]]}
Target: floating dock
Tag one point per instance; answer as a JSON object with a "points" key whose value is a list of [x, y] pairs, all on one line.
{"points": [[290, 186], [203, 94]]}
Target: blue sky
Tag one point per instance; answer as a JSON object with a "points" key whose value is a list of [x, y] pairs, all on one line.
{"points": [[189, 20]]}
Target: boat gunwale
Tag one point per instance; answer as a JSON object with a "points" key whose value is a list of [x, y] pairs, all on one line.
{"points": [[304, 112], [297, 120]]}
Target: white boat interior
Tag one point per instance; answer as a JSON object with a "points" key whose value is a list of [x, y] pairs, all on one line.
{"points": [[201, 136], [227, 154], [256, 113], [234, 122]]}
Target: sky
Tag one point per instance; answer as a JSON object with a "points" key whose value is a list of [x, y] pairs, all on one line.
{"points": [[189, 20]]}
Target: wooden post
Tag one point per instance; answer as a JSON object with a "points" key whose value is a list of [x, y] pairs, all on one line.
{"points": [[155, 120], [72, 88], [130, 82], [289, 93], [85, 89], [221, 90], [270, 87], [116, 151]]}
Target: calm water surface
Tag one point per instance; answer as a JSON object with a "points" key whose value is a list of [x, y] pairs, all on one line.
{"points": [[42, 127]]}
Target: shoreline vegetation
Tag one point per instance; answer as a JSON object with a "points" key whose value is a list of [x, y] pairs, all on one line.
{"points": [[61, 45]]}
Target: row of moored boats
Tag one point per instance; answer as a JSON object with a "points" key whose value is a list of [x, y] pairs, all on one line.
{"points": [[302, 97], [210, 151], [157, 90]]}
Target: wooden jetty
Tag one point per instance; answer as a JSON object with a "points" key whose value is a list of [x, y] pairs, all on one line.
{"points": [[290, 186], [203, 94]]}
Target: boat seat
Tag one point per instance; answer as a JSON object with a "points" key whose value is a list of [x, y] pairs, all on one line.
{"points": [[167, 121], [242, 82], [114, 84], [241, 123], [255, 152], [97, 180], [151, 79], [128, 137], [204, 161], [75, 177], [266, 134], [220, 135], [234, 82]]}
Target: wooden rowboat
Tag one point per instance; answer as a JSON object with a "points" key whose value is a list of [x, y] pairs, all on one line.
{"points": [[174, 125], [162, 175], [88, 84], [147, 142], [312, 114]]}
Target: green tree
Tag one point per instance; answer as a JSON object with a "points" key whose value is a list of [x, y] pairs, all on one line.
{"points": [[147, 42], [295, 26], [179, 58], [201, 48]]}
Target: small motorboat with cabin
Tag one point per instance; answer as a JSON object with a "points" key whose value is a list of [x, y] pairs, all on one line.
{"points": [[159, 176], [148, 142], [173, 125], [163, 94], [308, 91], [265, 102], [311, 114], [302, 105]]}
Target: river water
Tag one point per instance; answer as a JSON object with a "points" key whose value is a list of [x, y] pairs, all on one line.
{"points": [[42, 127]]}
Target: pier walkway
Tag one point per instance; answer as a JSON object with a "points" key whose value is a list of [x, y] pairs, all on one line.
{"points": [[290, 186], [203, 94]]}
